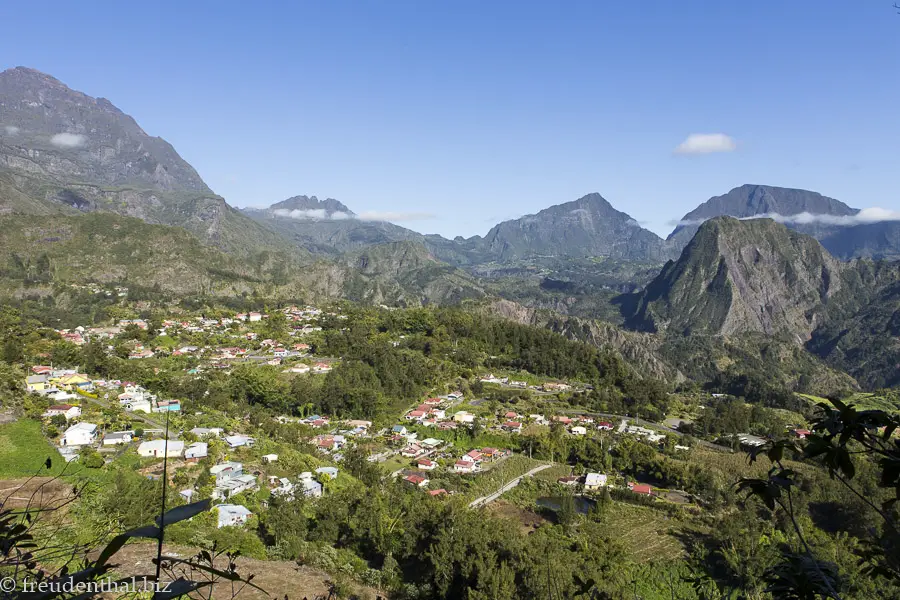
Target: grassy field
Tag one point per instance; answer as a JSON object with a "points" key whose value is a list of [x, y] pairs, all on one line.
{"points": [[863, 401], [647, 533], [23, 450]]}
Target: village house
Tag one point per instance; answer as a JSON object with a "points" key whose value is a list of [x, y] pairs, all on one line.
{"points": [[116, 438], [464, 417], [202, 432], [604, 425], [36, 383], [640, 488], [232, 515], [80, 434], [512, 426], [226, 470], [161, 448], [411, 451], [416, 480], [474, 456], [594, 481], [330, 472], [425, 464], [239, 440], [415, 415], [270, 458], [578, 430], [309, 486], [440, 492], [196, 451], [67, 410], [464, 466]]}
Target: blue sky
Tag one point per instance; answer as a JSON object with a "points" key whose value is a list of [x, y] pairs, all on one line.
{"points": [[477, 112]]}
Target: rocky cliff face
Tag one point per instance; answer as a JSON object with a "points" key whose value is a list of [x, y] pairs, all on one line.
{"points": [[49, 130], [741, 276], [64, 152]]}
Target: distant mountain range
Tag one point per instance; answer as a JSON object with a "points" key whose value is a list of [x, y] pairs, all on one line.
{"points": [[828, 220], [74, 170]]}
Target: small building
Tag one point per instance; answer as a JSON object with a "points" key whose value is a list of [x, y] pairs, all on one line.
{"points": [[67, 410], [226, 470], [238, 441], [309, 486], [641, 488], [117, 438], [202, 432], [36, 383], [80, 434], [464, 466], [440, 492], [398, 429], [270, 458], [594, 481], [426, 465], [161, 448], [464, 417], [578, 430], [512, 426], [416, 480], [330, 472], [232, 515], [196, 451], [411, 451]]}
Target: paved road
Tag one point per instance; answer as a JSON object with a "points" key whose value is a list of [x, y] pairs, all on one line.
{"points": [[478, 502]]}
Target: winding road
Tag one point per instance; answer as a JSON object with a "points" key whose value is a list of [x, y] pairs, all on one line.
{"points": [[479, 502]]}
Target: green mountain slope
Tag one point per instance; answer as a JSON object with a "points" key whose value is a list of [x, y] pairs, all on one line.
{"points": [[39, 252], [397, 273]]}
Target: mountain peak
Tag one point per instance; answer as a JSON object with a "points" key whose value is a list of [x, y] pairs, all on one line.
{"points": [[313, 208], [737, 276]]}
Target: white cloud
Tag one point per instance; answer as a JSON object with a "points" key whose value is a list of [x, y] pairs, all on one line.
{"points": [[320, 214], [706, 143], [312, 213], [68, 140], [11, 130], [375, 215], [863, 217]]}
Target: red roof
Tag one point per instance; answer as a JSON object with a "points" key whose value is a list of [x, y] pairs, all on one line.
{"points": [[416, 479], [511, 415], [474, 454], [425, 462], [60, 407], [641, 488], [437, 492], [512, 424], [417, 413]]}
